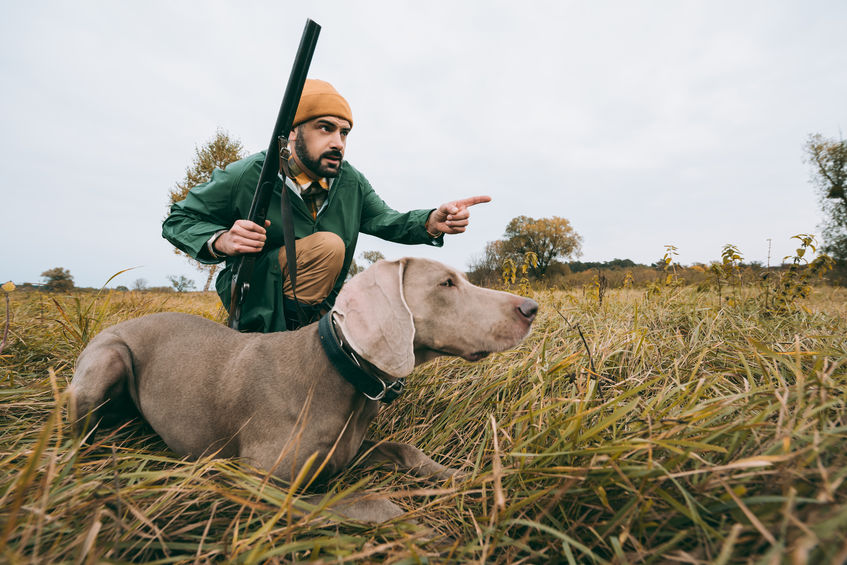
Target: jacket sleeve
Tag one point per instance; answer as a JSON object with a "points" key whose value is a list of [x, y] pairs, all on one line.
{"points": [[208, 208], [382, 221]]}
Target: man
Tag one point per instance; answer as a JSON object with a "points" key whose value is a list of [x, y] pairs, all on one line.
{"points": [[331, 203]]}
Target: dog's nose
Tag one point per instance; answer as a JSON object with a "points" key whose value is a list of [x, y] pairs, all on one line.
{"points": [[528, 309]]}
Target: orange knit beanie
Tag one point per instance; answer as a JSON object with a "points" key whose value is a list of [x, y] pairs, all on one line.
{"points": [[319, 98]]}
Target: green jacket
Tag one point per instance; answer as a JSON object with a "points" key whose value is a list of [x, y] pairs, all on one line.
{"points": [[352, 206]]}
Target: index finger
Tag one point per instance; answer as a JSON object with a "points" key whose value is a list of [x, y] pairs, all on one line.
{"points": [[465, 202]]}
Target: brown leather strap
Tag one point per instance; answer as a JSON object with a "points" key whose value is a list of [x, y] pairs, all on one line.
{"points": [[288, 224]]}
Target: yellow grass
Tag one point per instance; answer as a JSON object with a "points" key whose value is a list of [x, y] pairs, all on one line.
{"points": [[678, 431]]}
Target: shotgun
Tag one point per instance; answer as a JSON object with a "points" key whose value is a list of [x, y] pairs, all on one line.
{"points": [[242, 270]]}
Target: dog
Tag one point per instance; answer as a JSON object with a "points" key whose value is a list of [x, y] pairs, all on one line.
{"points": [[276, 400]]}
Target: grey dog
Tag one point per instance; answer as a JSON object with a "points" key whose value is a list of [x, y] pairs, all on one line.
{"points": [[278, 399]]}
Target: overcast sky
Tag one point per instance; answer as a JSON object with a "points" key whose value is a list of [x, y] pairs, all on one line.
{"points": [[643, 123]]}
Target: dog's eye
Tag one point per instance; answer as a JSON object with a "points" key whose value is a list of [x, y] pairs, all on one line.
{"points": [[448, 282]]}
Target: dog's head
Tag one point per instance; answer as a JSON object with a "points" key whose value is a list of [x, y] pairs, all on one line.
{"points": [[396, 314]]}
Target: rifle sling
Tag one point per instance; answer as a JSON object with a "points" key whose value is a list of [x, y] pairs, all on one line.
{"points": [[288, 225]]}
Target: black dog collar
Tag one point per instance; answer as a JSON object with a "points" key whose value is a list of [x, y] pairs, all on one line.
{"points": [[350, 367]]}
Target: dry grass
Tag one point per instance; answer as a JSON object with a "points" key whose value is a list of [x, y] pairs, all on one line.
{"points": [[701, 435]]}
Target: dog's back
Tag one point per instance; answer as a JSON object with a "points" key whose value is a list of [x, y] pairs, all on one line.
{"points": [[158, 348]]}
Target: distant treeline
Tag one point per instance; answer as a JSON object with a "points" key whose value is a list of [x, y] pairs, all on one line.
{"points": [[622, 272], [579, 266], [46, 288]]}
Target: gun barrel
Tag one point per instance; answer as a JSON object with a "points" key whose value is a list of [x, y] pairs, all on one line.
{"points": [[243, 266], [285, 118]]}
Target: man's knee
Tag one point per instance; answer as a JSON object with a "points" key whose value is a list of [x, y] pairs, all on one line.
{"points": [[328, 246], [320, 258], [323, 247]]}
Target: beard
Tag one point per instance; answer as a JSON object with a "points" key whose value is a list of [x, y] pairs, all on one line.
{"points": [[314, 165]]}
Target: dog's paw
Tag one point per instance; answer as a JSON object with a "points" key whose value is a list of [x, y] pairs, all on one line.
{"points": [[369, 510]]}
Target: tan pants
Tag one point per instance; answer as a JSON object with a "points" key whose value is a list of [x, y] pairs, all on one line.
{"points": [[320, 257]]}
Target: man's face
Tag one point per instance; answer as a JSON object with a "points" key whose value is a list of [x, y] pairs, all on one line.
{"points": [[319, 145]]}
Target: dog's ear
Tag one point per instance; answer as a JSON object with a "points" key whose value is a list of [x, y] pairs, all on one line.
{"points": [[375, 319]]}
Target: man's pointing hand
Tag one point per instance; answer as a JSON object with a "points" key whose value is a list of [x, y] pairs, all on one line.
{"points": [[452, 217]]}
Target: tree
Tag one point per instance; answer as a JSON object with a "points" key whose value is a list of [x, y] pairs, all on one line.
{"points": [[486, 268], [139, 284], [216, 153], [353, 270], [549, 238], [58, 279], [181, 283], [372, 257], [828, 158]]}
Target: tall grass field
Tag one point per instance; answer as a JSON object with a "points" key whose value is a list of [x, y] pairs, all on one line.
{"points": [[669, 428]]}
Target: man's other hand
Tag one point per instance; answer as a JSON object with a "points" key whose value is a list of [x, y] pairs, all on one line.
{"points": [[243, 237]]}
